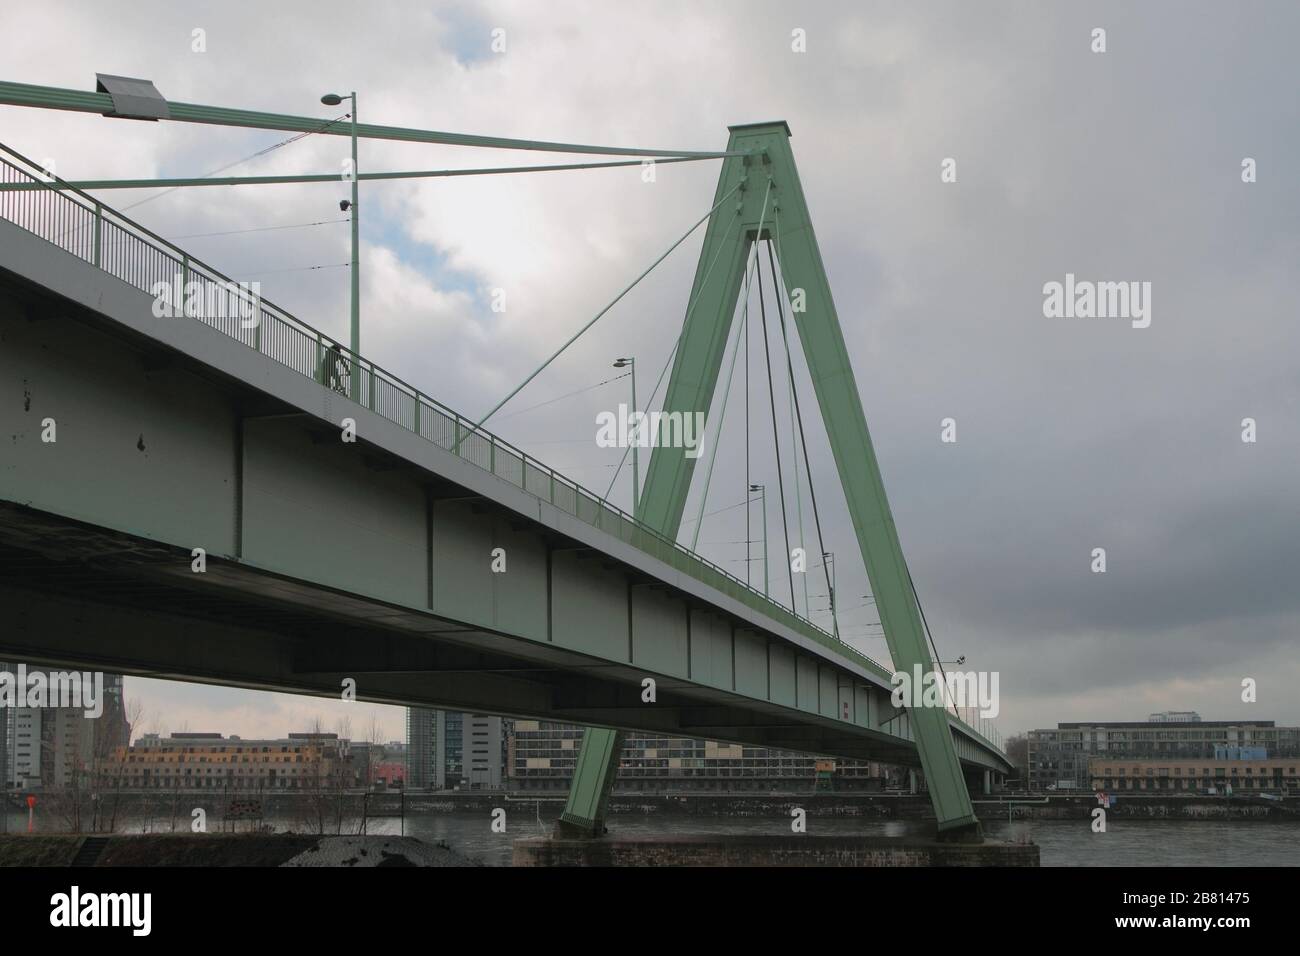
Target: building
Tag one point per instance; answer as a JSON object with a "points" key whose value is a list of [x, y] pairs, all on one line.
{"points": [[1059, 757], [390, 773], [57, 748], [422, 750], [434, 745], [362, 759], [542, 756], [208, 761], [4, 748], [1245, 775], [483, 752], [448, 750]]}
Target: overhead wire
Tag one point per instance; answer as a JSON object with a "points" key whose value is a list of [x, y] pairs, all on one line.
{"points": [[239, 162], [238, 232], [560, 398], [328, 265]]}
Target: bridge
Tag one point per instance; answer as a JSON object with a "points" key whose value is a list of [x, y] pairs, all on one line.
{"points": [[230, 496]]}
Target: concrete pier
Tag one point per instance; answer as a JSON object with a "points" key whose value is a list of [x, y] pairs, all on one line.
{"points": [[749, 850]]}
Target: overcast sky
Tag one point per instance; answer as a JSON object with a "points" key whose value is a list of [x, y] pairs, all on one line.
{"points": [[1072, 434]]}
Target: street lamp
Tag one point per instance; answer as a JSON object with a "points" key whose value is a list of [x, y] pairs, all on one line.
{"points": [[761, 491], [636, 465], [334, 99]]}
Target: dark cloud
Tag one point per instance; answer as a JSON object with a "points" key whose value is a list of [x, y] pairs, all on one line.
{"points": [[1072, 433]]}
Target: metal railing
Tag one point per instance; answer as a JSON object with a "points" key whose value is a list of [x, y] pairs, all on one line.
{"points": [[75, 222]]}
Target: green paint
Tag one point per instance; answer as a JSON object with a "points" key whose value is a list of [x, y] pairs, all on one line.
{"points": [[56, 98], [764, 170]]}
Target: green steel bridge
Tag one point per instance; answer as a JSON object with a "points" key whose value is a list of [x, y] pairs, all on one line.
{"points": [[136, 440]]}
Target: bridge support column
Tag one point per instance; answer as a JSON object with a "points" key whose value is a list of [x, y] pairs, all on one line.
{"points": [[770, 206], [988, 782], [911, 781], [593, 779]]}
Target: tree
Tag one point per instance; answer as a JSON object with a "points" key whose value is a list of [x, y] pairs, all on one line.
{"points": [[1017, 750]]}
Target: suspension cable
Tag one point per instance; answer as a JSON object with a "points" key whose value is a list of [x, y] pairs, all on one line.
{"points": [[717, 438], [803, 441], [690, 308], [520, 387], [925, 624], [173, 183], [749, 534], [776, 441], [794, 444]]}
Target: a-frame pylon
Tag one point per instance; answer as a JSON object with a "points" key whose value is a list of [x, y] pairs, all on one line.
{"points": [[770, 205]]}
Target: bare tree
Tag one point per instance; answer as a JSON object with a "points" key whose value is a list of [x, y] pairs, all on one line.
{"points": [[374, 737], [1017, 750]]}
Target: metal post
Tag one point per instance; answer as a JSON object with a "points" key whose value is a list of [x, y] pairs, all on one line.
{"points": [[635, 439], [762, 494], [636, 462], [835, 620], [99, 224], [356, 274]]}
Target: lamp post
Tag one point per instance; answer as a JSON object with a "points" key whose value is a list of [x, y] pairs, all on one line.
{"points": [[828, 557], [334, 99], [636, 464], [761, 491]]}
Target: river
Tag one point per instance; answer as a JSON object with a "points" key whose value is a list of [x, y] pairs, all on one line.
{"points": [[1062, 842]]}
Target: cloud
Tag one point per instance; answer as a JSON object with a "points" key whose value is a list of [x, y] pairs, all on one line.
{"points": [[1072, 434]]}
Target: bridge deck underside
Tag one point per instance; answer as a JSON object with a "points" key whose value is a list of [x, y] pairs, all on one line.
{"points": [[81, 596]]}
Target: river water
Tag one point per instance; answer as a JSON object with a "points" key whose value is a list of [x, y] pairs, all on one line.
{"points": [[1062, 842]]}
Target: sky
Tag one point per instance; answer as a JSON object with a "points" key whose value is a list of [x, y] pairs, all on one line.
{"points": [[1072, 434]]}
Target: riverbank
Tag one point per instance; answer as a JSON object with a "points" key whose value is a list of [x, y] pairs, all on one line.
{"points": [[172, 812], [222, 850], [876, 806]]}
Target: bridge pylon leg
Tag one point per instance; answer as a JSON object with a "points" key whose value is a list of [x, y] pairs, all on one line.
{"points": [[593, 779], [770, 206]]}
